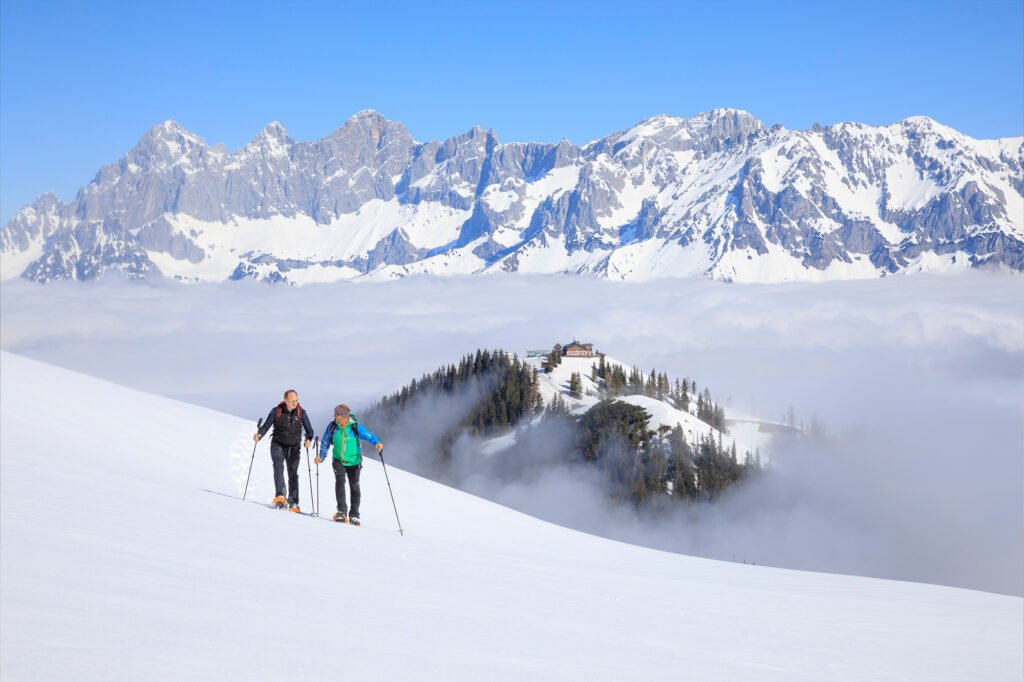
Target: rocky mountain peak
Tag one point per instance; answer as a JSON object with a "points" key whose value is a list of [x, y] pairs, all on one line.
{"points": [[171, 133], [274, 131], [365, 120], [369, 115], [725, 123], [924, 126], [46, 201], [273, 140]]}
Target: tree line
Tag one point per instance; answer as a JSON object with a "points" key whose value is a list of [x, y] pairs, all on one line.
{"points": [[505, 388]]}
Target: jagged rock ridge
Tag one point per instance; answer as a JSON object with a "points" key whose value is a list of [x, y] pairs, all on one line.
{"points": [[716, 194]]}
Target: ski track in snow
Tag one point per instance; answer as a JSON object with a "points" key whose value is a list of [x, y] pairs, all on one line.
{"points": [[241, 455]]}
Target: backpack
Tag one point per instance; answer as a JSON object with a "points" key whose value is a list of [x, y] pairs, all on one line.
{"points": [[290, 428], [280, 408]]}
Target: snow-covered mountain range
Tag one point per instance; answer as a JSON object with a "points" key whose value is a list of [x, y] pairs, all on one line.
{"points": [[719, 194]]}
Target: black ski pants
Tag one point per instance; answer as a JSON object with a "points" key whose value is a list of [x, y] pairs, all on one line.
{"points": [[341, 472], [281, 455]]}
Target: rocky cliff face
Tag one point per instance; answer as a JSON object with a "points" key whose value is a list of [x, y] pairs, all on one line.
{"points": [[717, 194]]}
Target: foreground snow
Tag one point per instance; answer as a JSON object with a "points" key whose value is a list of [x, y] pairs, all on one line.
{"points": [[127, 554]]}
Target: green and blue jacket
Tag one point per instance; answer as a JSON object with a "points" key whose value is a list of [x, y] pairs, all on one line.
{"points": [[345, 442]]}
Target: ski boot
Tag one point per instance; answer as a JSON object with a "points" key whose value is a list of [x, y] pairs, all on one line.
{"points": [[294, 508], [354, 520], [279, 502], [340, 517]]}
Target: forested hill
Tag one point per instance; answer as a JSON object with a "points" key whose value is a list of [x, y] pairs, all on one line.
{"points": [[653, 437]]}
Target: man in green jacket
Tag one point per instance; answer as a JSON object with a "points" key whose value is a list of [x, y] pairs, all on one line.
{"points": [[342, 436]]}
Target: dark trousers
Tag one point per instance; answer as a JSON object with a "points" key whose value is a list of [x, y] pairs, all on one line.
{"points": [[341, 472], [286, 454]]}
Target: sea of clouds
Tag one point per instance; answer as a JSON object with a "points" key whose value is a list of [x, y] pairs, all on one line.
{"points": [[918, 379]]}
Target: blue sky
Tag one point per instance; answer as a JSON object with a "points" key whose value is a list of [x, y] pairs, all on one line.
{"points": [[81, 82]]}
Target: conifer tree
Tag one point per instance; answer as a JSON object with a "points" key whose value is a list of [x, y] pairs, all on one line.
{"points": [[575, 385]]}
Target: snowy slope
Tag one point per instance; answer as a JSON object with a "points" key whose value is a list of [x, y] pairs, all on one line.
{"points": [[127, 554]]}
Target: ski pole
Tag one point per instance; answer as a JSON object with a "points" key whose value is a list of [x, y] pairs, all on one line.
{"points": [[400, 531], [259, 425], [310, 472], [316, 446]]}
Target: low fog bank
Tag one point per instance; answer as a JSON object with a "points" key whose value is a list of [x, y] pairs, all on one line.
{"points": [[926, 488], [919, 380]]}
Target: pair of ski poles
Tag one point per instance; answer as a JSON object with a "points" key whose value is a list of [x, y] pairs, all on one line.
{"points": [[316, 446]]}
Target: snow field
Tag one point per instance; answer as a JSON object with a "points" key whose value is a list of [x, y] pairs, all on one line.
{"points": [[128, 555]]}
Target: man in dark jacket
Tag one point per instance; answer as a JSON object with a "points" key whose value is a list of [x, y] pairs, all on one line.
{"points": [[289, 420]]}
